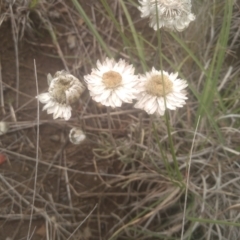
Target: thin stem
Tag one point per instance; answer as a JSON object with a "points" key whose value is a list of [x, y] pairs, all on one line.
{"points": [[110, 129], [15, 39], [188, 177], [37, 158], [82, 222], [179, 175], [1, 90]]}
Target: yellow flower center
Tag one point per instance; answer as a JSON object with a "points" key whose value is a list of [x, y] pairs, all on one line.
{"points": [[112, 79], [159, 85]]}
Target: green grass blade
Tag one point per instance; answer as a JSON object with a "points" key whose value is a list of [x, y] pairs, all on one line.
{"points": [[210, 87], [138, 44], [92, 27], [202, 220]]}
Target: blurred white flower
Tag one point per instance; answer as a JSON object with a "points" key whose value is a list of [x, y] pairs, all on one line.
{"points": [[112, 83], [3, 128], [76, 136], [156, 85], [171, 14], [64, 89]]}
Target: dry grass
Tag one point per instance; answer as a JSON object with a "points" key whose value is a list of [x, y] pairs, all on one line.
{"points": [[120, 190]]}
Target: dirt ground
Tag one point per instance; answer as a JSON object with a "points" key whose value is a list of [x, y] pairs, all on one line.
{"points": [[71, 182], [55, 151]]}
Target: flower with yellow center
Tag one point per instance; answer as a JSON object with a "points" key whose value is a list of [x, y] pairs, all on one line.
{"points": [[111, 83], [171, 14], [64, 90], [154, 86]]}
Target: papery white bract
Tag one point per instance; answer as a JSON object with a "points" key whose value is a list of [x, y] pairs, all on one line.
{"points": [[171, 14], [76, 136], [64, 89], [156, 85], [111, 83]]}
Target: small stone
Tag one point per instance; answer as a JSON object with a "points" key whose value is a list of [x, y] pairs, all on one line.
{"points": [[3, 128], [71, 40], [55, 138]]}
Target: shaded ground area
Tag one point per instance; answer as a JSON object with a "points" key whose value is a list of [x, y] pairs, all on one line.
{"points": [[56, 153], [71, 180]]}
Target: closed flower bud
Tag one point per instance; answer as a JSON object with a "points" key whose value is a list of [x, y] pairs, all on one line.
{"points": [[64, 90], [76, 136]]}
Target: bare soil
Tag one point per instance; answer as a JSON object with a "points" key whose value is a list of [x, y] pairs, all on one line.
{"points": [[55, 152]]}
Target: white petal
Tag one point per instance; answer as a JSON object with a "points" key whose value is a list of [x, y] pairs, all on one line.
{"points": [[44, 97], [57, 112], [67, 113], [149, 104], [49, 105], [161, 104], [116, 100]]}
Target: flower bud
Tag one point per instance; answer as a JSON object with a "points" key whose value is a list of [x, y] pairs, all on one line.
{"points": [[76, 136]]}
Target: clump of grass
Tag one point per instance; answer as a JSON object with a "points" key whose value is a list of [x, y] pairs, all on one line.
{"points": [[136, 177], [207, 58]]}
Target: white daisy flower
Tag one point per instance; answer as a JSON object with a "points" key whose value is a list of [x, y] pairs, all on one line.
{"points": [[171, 14], [76, 136], [156, 85], [64, 89], [112, 83]]}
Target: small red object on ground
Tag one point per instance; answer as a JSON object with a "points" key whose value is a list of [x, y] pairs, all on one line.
{"points": [[2, 158]]}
